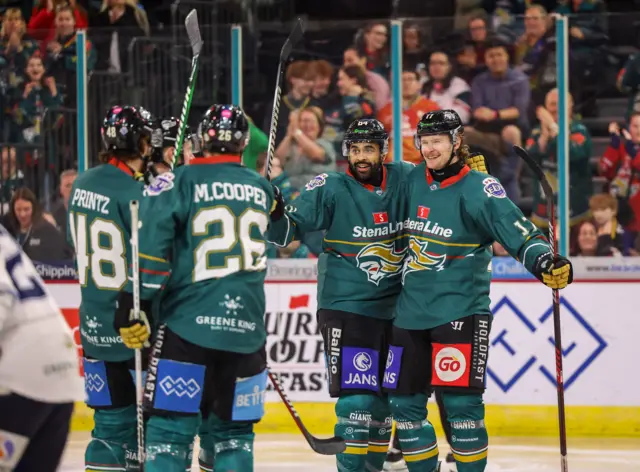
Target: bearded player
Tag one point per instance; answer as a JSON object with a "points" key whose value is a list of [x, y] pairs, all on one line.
{"points": [[440, 336], [358, 282]]}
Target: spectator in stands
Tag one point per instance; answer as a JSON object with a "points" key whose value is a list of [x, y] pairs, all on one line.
{"points": [[39, 238], [289, 193], [499, 103], [414, 106], [604, 208], [586, 243], [587, 33], [15, 46], [300, 80], [372, 44], [42, 22], [376, 83], [467, 67], [59, 210], [414, 54], [534, 54], [38, 94], [445, 88], [479, 34], [629, 84], [322, 72], [357, 100], [465, 10], [119, 21], [620, 165], [11, 177], [543, 145], [61, 54], [303, 153]]}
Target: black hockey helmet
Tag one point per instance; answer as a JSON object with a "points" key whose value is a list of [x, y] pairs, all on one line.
{"points": [[438, 122], [122, 129], [224, 129], [367, 130]]}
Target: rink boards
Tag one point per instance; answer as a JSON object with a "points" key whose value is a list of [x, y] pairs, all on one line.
{"points": [[601, 340]]}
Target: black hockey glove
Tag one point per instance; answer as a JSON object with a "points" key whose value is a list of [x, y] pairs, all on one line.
{"points": [[556, 273], [277, 209], [134, 333]]}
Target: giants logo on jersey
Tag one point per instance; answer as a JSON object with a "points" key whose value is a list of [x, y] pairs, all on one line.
{"points": [[379, 260], [420, 259]]}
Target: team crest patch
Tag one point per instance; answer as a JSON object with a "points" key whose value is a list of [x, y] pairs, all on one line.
{"points": [[493, 188], [317, 181], [161, 183]]}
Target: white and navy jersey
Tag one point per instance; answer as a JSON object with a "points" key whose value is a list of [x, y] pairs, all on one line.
{"points": [[38, 358]]}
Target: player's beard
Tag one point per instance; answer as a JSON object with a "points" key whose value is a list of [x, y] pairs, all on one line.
{"points": [[370, 175]]}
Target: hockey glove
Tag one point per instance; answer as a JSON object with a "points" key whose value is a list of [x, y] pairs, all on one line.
{"points": [[556, 273], [277, 209], [477, 162], [134, 333]]}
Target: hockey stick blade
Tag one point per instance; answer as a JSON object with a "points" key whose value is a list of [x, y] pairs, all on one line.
{"points": [[193, 31], [536, 169], [326, 447], [292, 40]]}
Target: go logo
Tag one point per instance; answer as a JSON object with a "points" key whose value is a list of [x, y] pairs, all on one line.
{"points": [[450, 364]]}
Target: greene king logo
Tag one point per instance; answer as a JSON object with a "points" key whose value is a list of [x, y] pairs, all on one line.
{"points": [[380, 260]]}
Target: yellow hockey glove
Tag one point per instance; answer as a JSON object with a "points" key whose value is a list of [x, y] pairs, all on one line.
{"points": [[477, 162], [556, 274], [135, 334]]}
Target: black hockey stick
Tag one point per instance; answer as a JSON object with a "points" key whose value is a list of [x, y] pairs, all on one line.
{"points": [[294, 37], [327, 447], [551, 215], [193, 31]]}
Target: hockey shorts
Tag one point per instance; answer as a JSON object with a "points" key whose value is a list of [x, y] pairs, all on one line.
{"points": [[355, 347], [184, 379], [33, 434], [110, 384], [450, 357]]}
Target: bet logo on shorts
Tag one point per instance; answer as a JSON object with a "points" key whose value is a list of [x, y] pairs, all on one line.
{"points": [[450, 364]]}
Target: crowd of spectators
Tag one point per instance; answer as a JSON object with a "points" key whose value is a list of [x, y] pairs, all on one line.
{"points": [[498, 71]]}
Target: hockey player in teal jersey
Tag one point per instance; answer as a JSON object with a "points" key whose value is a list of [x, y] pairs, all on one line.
{"points": [[210, 218], [99, 230], [358, 282], [440, 336]]}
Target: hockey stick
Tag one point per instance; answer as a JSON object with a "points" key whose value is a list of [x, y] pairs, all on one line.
{"points": [[135, 262], [193, 31], [294, 37], [557, 335], [327, 447]]}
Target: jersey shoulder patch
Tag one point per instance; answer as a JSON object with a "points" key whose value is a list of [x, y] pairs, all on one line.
{"points": [[161, 183], [493, 188], [318, 181]]}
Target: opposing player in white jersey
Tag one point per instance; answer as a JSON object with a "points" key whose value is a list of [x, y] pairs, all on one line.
{"points": [[39, 370]]}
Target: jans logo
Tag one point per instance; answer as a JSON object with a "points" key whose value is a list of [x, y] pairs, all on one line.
{"points": [[359, 368], [379, 260], [581, 344]]}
